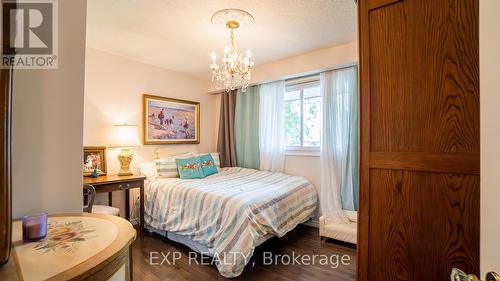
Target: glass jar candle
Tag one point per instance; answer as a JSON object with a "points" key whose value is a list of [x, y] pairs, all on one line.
{"points": [[34, 227]]}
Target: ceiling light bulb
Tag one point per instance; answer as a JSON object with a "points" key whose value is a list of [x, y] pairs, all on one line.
{"points": [[249, 53]]}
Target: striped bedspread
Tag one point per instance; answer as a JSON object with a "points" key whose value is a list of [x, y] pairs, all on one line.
{"points": [[231, 211]]}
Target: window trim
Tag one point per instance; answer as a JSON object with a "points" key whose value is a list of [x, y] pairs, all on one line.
{"points": [[303, 151], [300, 84]]}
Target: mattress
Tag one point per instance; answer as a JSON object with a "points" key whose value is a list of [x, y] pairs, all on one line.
{"points": [[230, 212]]}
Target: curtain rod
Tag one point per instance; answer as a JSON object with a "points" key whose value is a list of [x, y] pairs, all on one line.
{"points": [[294, 76]]}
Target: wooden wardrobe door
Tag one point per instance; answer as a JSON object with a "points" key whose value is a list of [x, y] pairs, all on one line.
{"points": [[419, 171], [5, 148], [5, 164]]}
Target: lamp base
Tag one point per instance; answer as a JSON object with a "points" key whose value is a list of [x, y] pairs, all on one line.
{"points": [[125, 157]]}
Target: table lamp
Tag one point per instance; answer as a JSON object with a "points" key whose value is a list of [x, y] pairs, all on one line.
{"points": [[125, 137]]}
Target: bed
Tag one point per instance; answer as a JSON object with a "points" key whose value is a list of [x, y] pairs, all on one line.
{"points": [[229, 213]]}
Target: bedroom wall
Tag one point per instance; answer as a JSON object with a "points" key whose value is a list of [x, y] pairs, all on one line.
{"points": [[306, 165], [305, 63], [113, 95], [47, 124], [489, 58]]}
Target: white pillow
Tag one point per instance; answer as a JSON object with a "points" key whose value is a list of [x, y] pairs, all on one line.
{"points": [[166, 167], [148, 169], [163, 153]]}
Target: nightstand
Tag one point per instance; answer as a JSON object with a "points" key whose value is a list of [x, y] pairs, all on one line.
{"points": [[110, 183]]}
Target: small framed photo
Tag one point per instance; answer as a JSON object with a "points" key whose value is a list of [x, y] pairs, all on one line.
{"points": [[94, 157], [170, 121]]}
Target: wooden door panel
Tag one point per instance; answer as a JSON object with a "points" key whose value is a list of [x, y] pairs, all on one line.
{"points": [[5, 150], [425, 225], [419, 138], [423, 76], [462, 163], [5, 164], [373, 4]]}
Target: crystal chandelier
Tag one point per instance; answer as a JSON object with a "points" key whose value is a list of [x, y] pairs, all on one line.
{"points": [[236, 68]]}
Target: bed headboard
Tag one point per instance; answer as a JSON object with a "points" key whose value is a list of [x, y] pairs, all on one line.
{"points": [[167, 152]]}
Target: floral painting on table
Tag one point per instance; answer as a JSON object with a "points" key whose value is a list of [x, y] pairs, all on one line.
{"points": [[94, 160], [170, 121], [64, 237]]}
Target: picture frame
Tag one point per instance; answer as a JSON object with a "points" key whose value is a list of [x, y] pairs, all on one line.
{"points": [[94, 153], [170, 121]]}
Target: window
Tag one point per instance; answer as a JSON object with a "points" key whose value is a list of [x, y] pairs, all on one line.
{"points": [[303, 114]]}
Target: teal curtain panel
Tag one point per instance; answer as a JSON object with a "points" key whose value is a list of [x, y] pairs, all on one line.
{"points": [[246, 128]]}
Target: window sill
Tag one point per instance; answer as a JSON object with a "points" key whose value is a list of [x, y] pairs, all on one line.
{"points": [[305, 153]]}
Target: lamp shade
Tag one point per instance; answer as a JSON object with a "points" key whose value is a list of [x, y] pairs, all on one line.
{"points": [[125, 136]]}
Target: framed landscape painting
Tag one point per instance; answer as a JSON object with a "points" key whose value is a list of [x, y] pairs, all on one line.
{"points": [[170, 121]]}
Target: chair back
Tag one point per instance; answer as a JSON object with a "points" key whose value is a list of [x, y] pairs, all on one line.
{"points": [[88, 197]]}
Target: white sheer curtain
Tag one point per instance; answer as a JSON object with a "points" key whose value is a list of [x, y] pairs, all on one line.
{"points": [[272, 126], [336, 170]]}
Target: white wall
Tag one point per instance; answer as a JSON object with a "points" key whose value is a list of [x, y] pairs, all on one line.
{"points": [[305, 166], [489, 46], [114, 87], [306, 63], [48, 124]]}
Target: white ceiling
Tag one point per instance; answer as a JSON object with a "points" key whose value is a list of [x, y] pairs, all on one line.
{"points": [[178, 34]]}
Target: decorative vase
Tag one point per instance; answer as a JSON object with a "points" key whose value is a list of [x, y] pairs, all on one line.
{"points": [[95, 173], [125, 157]]}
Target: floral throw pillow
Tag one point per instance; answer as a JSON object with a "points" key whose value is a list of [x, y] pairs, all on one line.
{"points": [[190, 168], [208, 164]]}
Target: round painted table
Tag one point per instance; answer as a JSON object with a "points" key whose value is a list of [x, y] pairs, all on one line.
{"points": [[77, 247]]}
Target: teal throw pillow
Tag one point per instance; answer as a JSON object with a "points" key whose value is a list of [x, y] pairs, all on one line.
{"points": [[190, 168], [208, 164]]}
